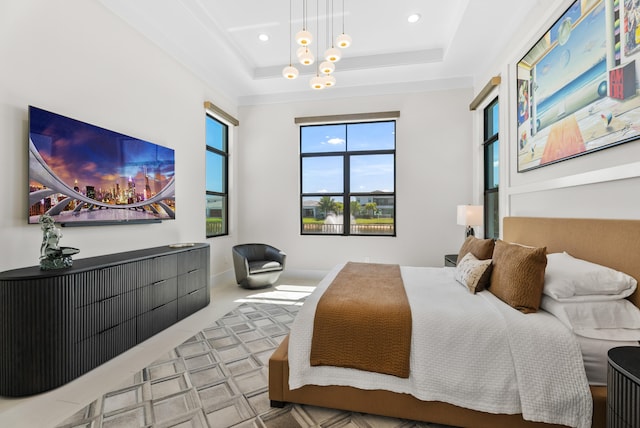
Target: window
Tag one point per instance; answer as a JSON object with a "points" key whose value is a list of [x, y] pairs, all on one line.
{"points": [[217, 155], [491, 170], [348, 178]]}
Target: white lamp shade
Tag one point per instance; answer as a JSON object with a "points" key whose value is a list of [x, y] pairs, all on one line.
{"points": [[343, 41], [329, 80], [306, 58], [470, 215], [304, 38], [317, 83], [290, 72], [333, 54], [327, 67]]}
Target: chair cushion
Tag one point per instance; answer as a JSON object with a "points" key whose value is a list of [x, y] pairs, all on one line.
{"points": [[261, 266]]}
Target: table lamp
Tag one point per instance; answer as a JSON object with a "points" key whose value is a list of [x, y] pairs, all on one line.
{"points": [[470, 215]]}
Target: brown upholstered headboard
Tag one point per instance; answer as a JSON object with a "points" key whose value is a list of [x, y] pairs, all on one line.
{"points": [[609, 242]]}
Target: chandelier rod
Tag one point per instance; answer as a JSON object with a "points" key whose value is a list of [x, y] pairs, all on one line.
{"points": [[342, 16]]}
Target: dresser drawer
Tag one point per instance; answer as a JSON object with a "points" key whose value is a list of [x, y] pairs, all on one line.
{"points": [[157, 294], [156, 320], [192, 302], [192, 281], [192, 259], [104, 314], [103, 283], [164, 267], [104, 345]]}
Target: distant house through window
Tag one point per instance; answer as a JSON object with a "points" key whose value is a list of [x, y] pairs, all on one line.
{"points": [[348, 178]]}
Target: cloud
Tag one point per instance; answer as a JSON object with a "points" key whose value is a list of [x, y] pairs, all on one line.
{"points": [[336, 141]]}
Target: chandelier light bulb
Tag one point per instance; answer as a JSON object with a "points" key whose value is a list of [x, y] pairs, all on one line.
{"points": [[343, 41], [327, 67], [333, 55], [290, 72], [413, 18], [306, 58], [304, 38], [317, 83], [329, 80]]}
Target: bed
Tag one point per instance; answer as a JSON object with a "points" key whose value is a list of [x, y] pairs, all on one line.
{"points": [[611, 243]]}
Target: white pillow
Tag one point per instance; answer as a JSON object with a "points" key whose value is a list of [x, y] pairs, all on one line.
{"points": [[473, 273], [569, 279], [609, 320]]}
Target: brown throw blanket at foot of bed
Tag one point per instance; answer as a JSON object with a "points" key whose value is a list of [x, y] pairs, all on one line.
{"points": [[363, 321]]}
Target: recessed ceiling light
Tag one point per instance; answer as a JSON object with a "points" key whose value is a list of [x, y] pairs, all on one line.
{"points": [[415, 17], [263, 37]]}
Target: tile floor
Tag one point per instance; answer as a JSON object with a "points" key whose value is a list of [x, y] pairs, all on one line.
{"points": [[216, 378], [53, 407], [209, 370]]}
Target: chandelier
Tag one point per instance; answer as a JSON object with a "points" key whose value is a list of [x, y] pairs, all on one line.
{"points": [[324, 77]]}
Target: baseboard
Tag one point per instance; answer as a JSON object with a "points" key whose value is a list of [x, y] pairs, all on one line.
{"points": [[223, 278], [228, 276]]}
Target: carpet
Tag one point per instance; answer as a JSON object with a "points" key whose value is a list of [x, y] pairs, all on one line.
{"points": [[219, 379]]}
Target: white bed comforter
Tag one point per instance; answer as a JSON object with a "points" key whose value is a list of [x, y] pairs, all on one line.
{"points": [[469, 350]]}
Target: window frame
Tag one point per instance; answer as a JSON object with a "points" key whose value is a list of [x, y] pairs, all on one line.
{"points": [[491, 216], [225, 188], [346, 195]]}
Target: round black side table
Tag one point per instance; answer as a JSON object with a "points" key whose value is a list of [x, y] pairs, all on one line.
{"points": [[623, 387]]}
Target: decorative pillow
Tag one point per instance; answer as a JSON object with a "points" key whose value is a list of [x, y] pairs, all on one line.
{"points": [[473, 273], [609, 320], [517, 277], [570, 279], [482, 249]]}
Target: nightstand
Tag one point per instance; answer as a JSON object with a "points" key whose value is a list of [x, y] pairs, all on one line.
{"points": [[623, 387], [451, 260]]}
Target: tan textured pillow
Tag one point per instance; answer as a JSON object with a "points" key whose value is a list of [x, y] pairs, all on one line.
{"points": [[517, 277], [473, 273], [482, 249]]}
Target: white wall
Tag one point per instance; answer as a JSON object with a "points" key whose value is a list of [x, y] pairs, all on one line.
{"points": [[75, 58], [601, 184], [433, 175]]}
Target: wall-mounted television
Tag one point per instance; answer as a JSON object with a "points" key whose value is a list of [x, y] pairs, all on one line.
{"points": [[82, 174]]}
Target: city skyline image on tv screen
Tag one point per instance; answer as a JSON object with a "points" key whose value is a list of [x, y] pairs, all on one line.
{"points": [[81, 173]]}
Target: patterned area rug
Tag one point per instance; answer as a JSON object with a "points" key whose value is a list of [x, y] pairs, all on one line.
{"points": [[219, 379]]}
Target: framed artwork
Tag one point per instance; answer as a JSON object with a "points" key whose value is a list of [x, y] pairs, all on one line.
{"points": [[577, 90]]}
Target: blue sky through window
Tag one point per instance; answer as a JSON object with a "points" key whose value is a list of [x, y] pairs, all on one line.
{"points": [[325, 138], [371, 136], [215, 165], [370, 172], [322, 174], [215, 172], [215, 134]]}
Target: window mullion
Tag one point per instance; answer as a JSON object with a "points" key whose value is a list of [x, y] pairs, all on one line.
{"points": [[346, 191]]}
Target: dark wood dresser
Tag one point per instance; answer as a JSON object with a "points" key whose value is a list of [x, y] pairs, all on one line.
{"points": [[56, 325]]}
